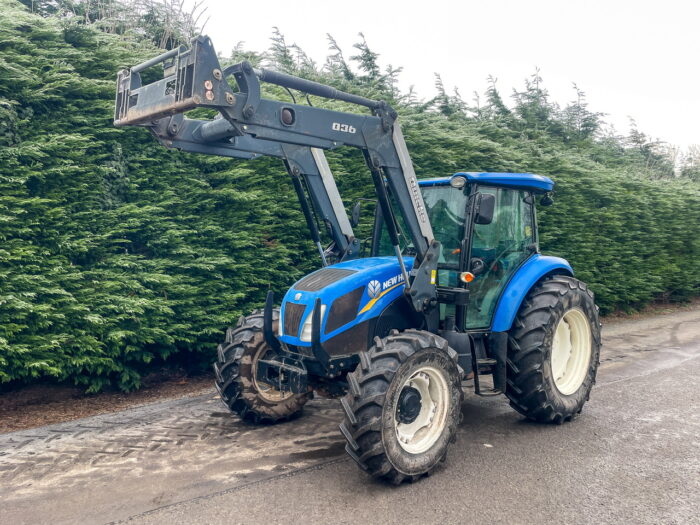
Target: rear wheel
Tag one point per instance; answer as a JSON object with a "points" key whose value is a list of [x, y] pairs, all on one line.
{"points": [[403, 405], [236, 371], [554, 350]]}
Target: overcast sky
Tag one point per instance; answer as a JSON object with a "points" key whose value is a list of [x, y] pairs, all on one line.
{"points": [[638, 59]]}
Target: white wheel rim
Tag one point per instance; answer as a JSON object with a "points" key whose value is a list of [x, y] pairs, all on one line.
{"points": [[571, 351], [422, 433]]}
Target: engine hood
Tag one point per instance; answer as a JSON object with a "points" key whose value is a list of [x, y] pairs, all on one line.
{"points": [[351, 292]]}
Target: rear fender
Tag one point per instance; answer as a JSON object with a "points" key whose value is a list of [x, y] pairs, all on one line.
{"points": [[533, 270]]}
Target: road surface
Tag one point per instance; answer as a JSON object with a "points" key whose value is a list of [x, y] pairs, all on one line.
{"points": [[633, 456]]}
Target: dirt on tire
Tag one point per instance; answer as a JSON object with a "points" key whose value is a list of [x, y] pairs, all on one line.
{"points": [[235, 374]]}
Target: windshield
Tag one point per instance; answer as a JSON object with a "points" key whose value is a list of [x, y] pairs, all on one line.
{"points": [[446, 208]]}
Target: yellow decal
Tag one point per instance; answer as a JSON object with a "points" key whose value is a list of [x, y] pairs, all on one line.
{"points": [[433, 276], [371, 302]]}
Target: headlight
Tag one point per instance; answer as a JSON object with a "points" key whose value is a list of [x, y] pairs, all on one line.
{"points": [[306, 327], [458, 181]]}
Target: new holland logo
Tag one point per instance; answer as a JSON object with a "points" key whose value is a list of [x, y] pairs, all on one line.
{"points": [[373, 288]]}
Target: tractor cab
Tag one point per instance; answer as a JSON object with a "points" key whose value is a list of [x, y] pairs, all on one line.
{"points": [[480, 253]]}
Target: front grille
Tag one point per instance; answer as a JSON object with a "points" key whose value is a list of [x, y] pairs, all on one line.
{"points": [[321, 278], [344, 309], [292, 318]]}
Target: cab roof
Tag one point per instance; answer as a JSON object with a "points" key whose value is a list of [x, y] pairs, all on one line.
{"points": [[523, 181]]}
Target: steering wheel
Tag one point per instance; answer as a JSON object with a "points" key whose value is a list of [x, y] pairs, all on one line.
{"points": [[508, 248]]}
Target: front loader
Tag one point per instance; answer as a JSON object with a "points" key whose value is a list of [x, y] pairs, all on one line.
{"points": [[454, 289]]}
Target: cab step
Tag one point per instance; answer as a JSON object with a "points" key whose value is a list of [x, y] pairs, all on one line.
{"points": [[493, 366], [489, 393]]}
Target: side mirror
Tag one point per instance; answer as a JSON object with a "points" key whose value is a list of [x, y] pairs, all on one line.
{"points": [[546, 200], [485, 205], [355, 215]]}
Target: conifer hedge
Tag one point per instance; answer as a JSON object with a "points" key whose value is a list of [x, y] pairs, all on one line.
{"points": [[117, 254]]}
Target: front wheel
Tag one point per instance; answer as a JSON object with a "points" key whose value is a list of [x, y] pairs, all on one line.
{"points": [[403, 405], [554, 350], [236, 371]]}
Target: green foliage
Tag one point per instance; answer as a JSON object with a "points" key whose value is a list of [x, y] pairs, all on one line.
{"points": [[690, 164], [165, 23], [117, 253]]}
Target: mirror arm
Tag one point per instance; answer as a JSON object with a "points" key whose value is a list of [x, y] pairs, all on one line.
{"points": [[357, 207]]}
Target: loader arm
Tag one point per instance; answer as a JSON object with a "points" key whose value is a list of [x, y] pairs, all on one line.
{"points": [[249, 126]]}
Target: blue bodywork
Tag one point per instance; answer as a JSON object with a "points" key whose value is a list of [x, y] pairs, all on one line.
{"points": [[525, 181], [382, 282], [388, 287], [531, 271]]}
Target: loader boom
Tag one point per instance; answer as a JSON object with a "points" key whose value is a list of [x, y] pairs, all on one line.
{"points": [[249, 126]]}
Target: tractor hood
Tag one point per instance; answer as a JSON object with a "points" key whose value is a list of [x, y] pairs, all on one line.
{"points": [[351, 293]]}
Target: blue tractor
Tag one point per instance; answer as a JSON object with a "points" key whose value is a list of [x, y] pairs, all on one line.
{"points": [[453, 295]]}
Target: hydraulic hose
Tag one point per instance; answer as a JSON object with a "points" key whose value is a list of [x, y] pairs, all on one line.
{"points": [[314, 88]]}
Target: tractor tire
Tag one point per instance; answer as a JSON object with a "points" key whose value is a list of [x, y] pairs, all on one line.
{"points": [[390, 429], [553, 351], [235, 375]]}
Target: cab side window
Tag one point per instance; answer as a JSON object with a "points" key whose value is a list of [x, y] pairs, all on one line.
{"points": [[502, 246]]}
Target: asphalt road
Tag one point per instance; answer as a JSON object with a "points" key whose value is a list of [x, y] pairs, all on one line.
{"points": [[633, 456]]}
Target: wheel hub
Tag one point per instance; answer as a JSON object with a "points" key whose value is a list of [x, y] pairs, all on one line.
{"points": [[409, 405], [421, 409]]}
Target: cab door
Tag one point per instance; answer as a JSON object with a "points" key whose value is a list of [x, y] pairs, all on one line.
{"points": [[497, 251]]}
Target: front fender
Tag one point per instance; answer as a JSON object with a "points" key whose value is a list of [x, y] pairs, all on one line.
{"points": [[520, 284]]}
